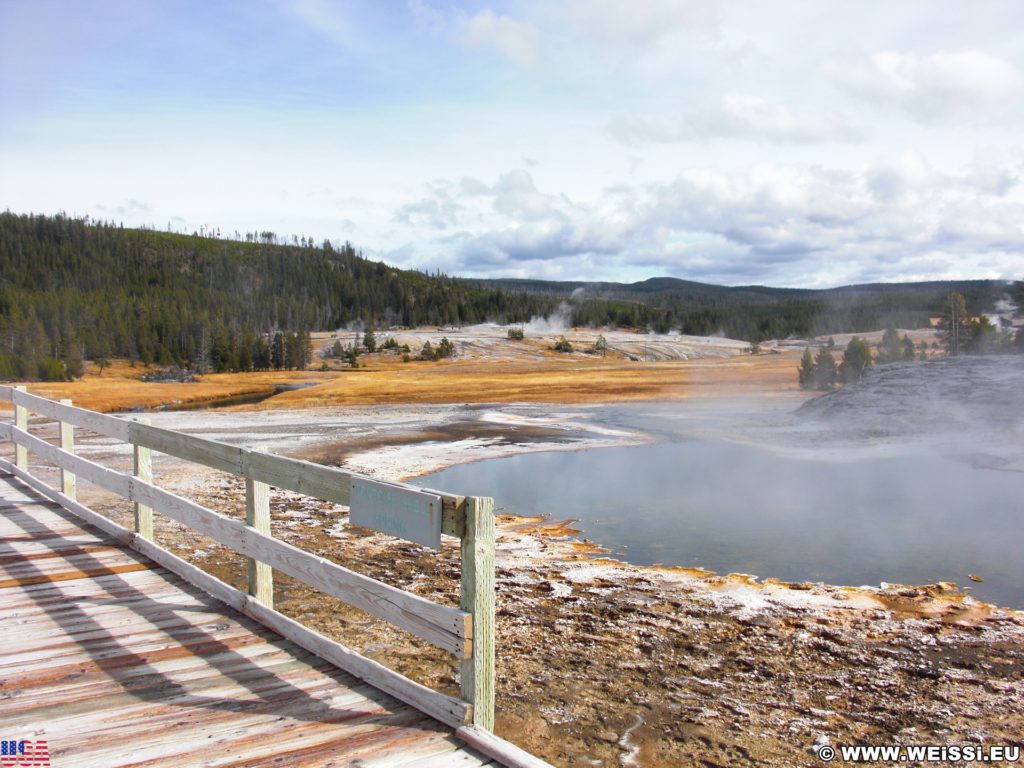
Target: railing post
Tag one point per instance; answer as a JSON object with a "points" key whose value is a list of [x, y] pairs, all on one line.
{"points": [[257, 515], [67, 443], [21, 422], [143, 470], [477, 673]]}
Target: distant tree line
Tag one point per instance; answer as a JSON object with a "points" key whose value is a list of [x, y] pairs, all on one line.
{"points": [[960, 334], [757, 313], [75, 290]]}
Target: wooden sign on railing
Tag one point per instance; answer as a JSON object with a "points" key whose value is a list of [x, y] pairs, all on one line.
{"points": [[398, 511]]}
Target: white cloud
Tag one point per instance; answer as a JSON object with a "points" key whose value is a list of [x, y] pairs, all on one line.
{"points": [[641, 22], [516, 196], [745, 116], [909, 174], [993, 172], [517, 41], [778, 224], [438, 212], [738, 116], [928, 86]]}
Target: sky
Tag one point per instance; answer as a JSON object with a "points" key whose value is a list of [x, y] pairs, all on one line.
{"points": [[804, 143]]}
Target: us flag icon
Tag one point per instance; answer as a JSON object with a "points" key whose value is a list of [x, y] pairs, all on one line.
{"points": [[23, 752]]}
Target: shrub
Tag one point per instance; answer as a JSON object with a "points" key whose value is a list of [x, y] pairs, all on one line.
{"points": [[444, 349], [52, 369], [856, 358]]}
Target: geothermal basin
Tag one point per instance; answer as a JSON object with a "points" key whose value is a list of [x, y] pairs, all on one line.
{"points": [[900, 511]]}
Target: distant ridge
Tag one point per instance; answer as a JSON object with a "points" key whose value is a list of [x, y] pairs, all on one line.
{"points": [[979, 289]]}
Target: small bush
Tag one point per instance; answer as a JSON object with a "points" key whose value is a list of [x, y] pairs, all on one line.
{"points": [[52, 369], [563, 345], [516, 334], [444, 349]]}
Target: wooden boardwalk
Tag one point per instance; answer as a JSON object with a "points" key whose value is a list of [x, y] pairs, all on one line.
{"points": [[116, 661]]}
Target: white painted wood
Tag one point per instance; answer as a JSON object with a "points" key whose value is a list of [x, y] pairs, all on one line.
{"points": [[21, 422], [477, 597], [67, 443], [110, 426], [504, 752], [105, 477], [448, 710], [304, 477], [450, 753], [397, 510], [257, 516], [446, 627], [210, 453], [143, 469], [326, 483]]}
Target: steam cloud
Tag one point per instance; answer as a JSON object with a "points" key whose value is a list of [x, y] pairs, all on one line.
{"points": [[558, 321]]}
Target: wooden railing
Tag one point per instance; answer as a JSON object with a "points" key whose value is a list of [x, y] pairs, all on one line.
{"points": [[467, 631]]}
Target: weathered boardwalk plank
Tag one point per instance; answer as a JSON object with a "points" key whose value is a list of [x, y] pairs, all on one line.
{"points": [[115, 661]]}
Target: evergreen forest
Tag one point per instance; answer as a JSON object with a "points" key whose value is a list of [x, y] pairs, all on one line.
{"points": [[72, 289]]}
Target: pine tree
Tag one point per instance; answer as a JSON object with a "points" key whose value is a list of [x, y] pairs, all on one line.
{"points": [[277, 356], [305, 344], [805, 372], [890, 350], [953, 324], [824, 369], [908, 348], [856, 358]]}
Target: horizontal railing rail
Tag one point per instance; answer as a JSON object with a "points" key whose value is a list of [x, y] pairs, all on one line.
{"points": [[467, 631], [305, 477]]}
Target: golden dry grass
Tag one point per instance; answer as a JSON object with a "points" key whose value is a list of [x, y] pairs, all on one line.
{"points": [[384, 379], [120, 388], [573, 380]]}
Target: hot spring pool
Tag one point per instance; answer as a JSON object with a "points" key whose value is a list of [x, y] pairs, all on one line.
{"points": [[909, 516]]}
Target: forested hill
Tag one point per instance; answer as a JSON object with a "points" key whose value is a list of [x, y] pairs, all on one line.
{"points": [[756, 312], [71, 289]]}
